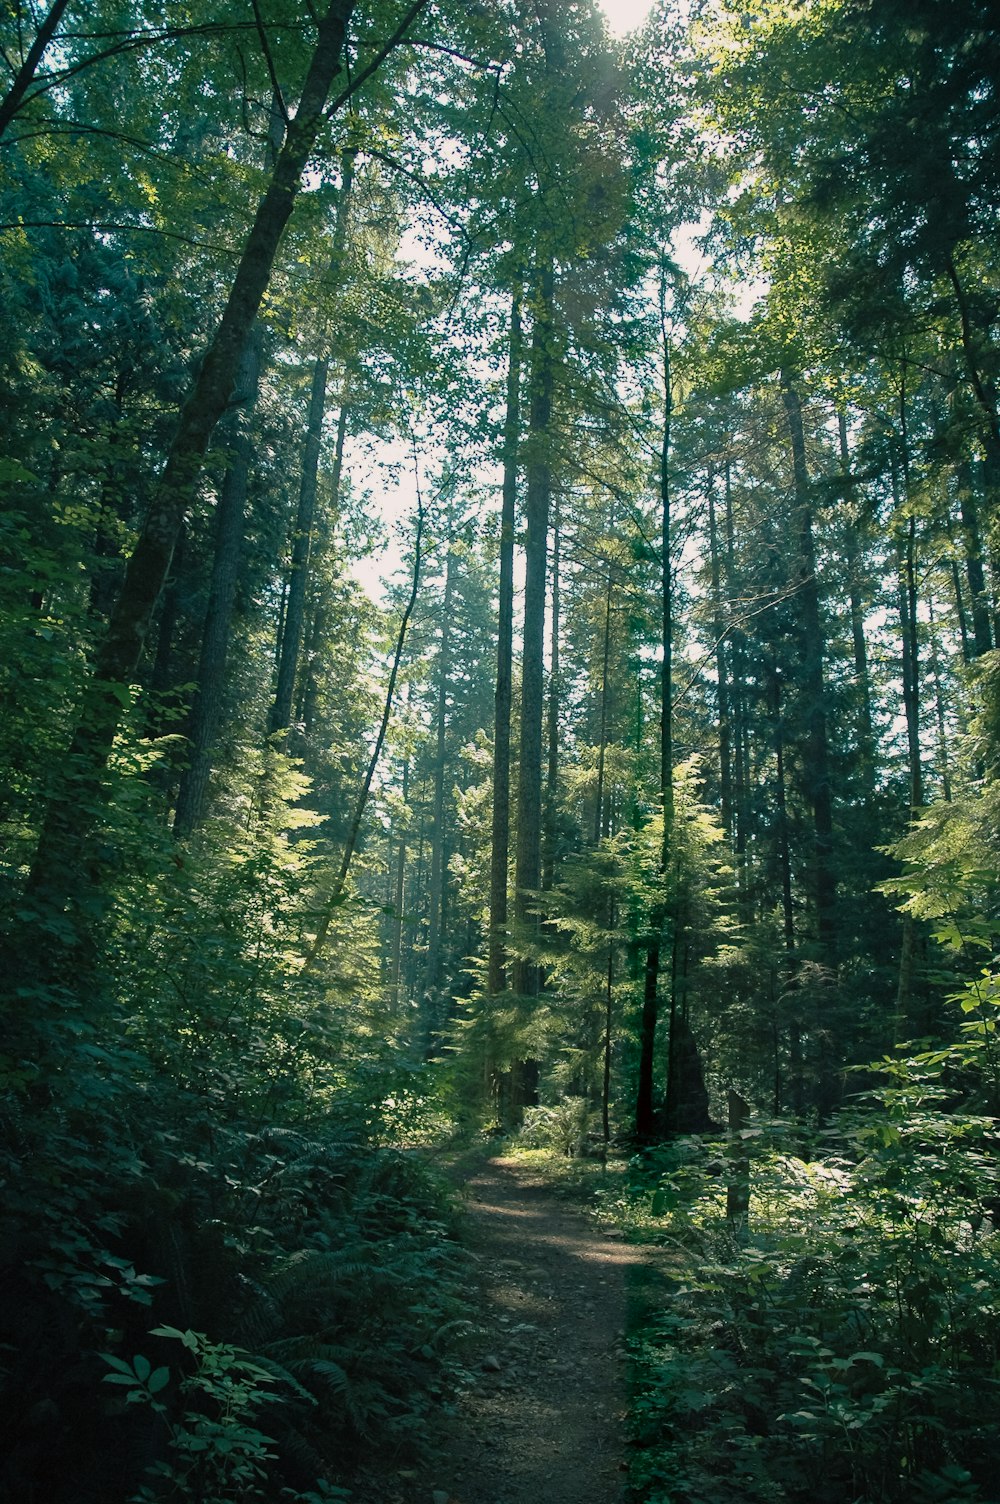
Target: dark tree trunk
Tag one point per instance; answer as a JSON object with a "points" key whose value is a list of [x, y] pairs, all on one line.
{"points": [[439, 843], [721, 672], [866, 734], [599, 824], [56, 872], [206, 711], [399, 899], [500, 835], [527, 979], [741, 739], [552, 721], [974, 570], [295, 608], [500, 841], [645, 1114], [816, 753]]}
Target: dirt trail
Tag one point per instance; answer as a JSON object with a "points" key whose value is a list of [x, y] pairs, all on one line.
{"points": [[542, 1421]]}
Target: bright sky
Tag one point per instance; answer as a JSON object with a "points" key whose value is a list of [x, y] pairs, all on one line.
{"points": [[625, 15]]}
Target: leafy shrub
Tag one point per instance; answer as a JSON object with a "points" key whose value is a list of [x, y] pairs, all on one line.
{"points": [[850, 1349]]}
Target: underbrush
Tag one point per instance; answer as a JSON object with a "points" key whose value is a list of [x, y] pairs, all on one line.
{"points": [[845, 1345], [199, 1309]]}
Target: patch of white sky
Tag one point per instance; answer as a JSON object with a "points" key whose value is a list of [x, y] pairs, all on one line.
{"points": [[624, 16]]}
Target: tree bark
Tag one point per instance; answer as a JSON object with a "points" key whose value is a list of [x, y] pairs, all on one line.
{"points": [[974, 570], [206, 711], [721, 672], [500, 834], [816, 759], [57, 868], [527, 980], [549, 834], [439, 845], [298, 580], [866, 734], [645, 1116]]}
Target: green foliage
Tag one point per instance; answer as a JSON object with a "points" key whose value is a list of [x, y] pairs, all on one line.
{"points": [[849, 1348], [216, 1453]]}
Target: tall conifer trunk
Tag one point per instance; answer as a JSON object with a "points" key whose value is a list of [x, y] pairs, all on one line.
{"points": [[206, 711], [436, 897], [645, 1115], [538, 475], [549, 839], [298, 579], [866, 734], [816, 759], [500, 832], [56, 872]]}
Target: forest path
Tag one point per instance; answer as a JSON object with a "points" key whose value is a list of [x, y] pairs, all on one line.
{"points": [[542, 1420]]}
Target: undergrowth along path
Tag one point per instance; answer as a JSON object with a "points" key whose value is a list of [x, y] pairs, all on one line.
{"points": [[543, 1417]]}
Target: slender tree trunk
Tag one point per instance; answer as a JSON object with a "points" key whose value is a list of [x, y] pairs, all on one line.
{"points": [[206, 711], [599, 825], [866, 734], [816, 751], [944, 766], [796, 1069], [527, 979], [975, 572], [161, 680], [906, 559], [741, 740], [56, 871], [439, 845], [295, 611], [500, 834], [335, 895], [907, 576], [645, 1116], [721, 671], [552, 726], [609, 995], [399, 897]]}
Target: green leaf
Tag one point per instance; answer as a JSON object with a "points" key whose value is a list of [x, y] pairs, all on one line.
{"points": [[119, 1364]]}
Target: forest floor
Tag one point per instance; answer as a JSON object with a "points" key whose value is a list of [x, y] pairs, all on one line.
{"points": [[541, 1417]]}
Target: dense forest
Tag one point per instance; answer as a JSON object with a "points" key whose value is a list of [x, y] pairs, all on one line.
{"points": [[499, 635]]}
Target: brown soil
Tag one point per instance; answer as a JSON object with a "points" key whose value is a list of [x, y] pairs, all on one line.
{"points": [[541, 1420]]}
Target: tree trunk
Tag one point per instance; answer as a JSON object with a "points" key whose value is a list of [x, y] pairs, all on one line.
{"points": [[399, 899], [866, 734], [816, 755], [975, 572], [439, 846], [500, 835], [527, 979], [721, 672], [645, 1117], [599, 826], [295, 609], [57, 869], [335, 896], [549, 839], [206, 711]]}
